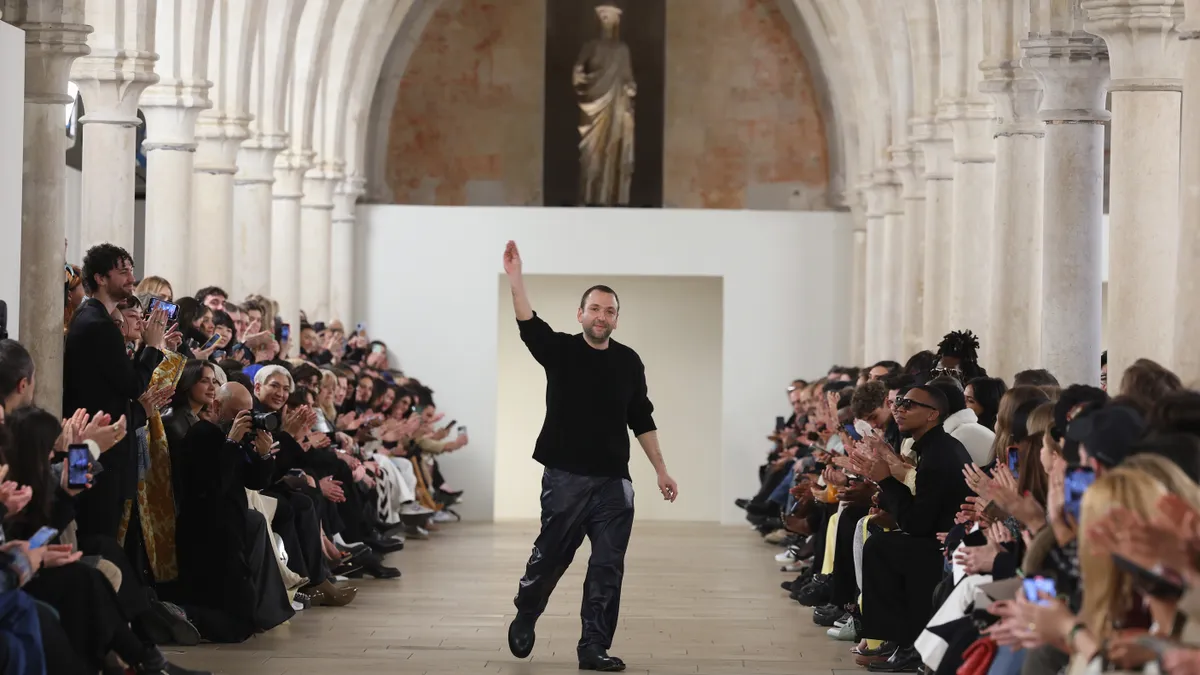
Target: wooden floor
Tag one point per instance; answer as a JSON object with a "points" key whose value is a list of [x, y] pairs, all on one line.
{"points": [[697, 599]]}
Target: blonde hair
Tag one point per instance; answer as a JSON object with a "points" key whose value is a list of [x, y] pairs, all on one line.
{"points": [[329, 383], [267, 372], [1012, 399], [155, 286], [1168, 473], [1108, 591]]}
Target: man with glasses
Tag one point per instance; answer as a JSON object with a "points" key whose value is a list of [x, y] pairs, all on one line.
{"points": [[902, 568]]}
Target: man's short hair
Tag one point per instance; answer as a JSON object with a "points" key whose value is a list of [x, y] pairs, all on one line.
{"points": [[939, 400], [211, 290], [868, 398], [603, 289], [1035, 378], [952, 389], [267, 372], [15, 365], [102, 259]]}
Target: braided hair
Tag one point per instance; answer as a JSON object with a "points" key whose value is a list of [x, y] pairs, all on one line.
{"points": [[962, 345]]}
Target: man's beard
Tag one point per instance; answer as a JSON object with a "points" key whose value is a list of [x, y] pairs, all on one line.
{"points": [[119, 293], [603, 333]]}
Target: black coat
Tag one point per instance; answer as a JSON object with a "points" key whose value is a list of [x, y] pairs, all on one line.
{"points": [[98, 376], [941, 488]]}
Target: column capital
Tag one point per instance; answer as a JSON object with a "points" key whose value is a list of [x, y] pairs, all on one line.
{"points": [[938, 153], [111, 82], [1016, 93], [909, 166], [219, 137], [176, 93], [1142, 41], [55, 36], [346, 196], [255, 164], [1073, 70], [876, 194], [318, 189], [289, 174]]}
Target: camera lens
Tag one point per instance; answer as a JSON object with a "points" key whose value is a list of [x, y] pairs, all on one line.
{"points": [[267, 421]]}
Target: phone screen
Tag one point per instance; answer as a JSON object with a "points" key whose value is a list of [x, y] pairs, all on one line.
{"points": [[1014, 460], [219, 354], [216, 337], [1034, 586], [79, 457], [780, 422], [42, 537], [285, 331], [462, 430], [1076, 483], [171, 308]]}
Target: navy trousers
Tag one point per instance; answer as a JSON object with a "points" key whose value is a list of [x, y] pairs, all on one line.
{"points": [[573, 507]]}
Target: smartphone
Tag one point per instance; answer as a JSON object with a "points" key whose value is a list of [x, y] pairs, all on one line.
{"points": [[218, 355], [79, 458], [299, 473], [452, 423], [462, 430], [171, 308], [42, 537], [360, 328], [216, 337], [1035, 586], [285, 331], [1014, 460], [1157, 583], [852, 432], [1077, 482], [376, 349], [780, 423]]}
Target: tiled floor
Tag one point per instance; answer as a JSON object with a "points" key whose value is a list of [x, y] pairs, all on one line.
{"points": [[697, 599]]}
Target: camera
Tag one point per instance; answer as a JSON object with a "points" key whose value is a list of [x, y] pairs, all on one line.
{"points": [[266, 421]]}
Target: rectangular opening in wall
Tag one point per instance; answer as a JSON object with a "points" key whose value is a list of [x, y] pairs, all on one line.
{"points": [[675, 325]]}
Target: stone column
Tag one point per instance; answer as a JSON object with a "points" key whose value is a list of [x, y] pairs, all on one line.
{"points": [[110, 80], [1187, 312], [55, 35], [858, 286], [1072, 67], [285, 234], [219, 137], [911, 252], [1016, 253], [341, 248], [939, 223], [1143, 205], [316, 224], [252, 205], [873, 323], [891, 338]]}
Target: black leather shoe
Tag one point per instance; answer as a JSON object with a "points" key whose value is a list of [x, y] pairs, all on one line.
{"points": [[597, 658], [827, 615], [816, 593], [905, 660], [384, 545], [521, 637]]}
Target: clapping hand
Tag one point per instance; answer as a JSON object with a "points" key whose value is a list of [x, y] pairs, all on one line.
{"points": [[14, 497], [57, 555], [104, 434], [153, 400], [332, 489]]}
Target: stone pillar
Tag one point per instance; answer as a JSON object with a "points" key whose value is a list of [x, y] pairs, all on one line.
{"points": [[1143, 205], [285, 234], [1016, 254], [316, 225], [341, 248], [939, 222], [219, 137], [858, 286], [911, 252], [252, 205], [1187, 313], [1072, 67], [110, 80], [891, 342], [873, 323], [55, 35]]}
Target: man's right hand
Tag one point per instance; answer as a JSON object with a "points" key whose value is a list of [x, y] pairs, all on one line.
{"points": [[512, 260], [155, 328], [241, 426]]}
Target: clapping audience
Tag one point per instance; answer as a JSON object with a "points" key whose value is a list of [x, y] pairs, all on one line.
{"points": [[208, 479], [943, 522]]}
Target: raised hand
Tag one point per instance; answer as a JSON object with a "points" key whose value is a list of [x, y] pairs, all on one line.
{"points": [[104, 434], [153, 400], [155, 328], [173, 338], [512, 259], [65, 481]]}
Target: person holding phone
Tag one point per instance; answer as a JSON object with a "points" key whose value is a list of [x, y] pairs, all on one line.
{"points": [[596, 389]]}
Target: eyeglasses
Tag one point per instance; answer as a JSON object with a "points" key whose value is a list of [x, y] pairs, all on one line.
{"points": [[908, 403]]}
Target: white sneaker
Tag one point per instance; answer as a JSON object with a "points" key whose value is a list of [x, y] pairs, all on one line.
{"points": [[788, 556], [443, 517], [415, 509], [794, 567]]}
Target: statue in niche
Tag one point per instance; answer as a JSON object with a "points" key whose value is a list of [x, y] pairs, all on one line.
{"points": [[604, 85]]}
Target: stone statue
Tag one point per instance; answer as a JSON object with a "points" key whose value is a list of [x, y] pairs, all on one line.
{"points": [[604, 85]]}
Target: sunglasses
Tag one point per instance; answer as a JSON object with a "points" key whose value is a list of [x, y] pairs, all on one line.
{"points": [[908, 403]]}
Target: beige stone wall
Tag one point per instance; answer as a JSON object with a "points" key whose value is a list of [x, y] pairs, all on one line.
{"points": [[743, 125]]}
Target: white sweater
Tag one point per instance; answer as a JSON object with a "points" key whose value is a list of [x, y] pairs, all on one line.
{"points": [[976, 438]]}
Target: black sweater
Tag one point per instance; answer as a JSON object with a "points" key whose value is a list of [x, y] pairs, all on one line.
{"points": [[592, 395], [941, 488]]}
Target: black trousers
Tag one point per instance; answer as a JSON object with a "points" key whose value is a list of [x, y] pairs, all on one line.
{"points": [[297, 523], [900, 573], [573, 507], [845, 584]]}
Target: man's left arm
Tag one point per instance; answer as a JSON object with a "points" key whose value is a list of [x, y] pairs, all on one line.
{"points": [[641, 421]]}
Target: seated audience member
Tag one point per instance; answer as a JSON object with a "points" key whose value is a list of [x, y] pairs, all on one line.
{"points": [[896, 595], [195, 391], [962, 423], [983, 396], [958, 357]]}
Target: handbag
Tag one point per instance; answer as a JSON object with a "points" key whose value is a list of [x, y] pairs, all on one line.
{"points": [[978, 657]]}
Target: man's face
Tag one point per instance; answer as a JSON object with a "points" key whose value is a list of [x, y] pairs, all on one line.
{"points": [[339, 394], [796, 400], [230, 407], [119, 282], [253, 315], [363, 393], [598, 316], [239, 324], [215, 302], [273, 393], [1104, 377], [132, 324], [877, 372], [308, 340], [609, 15], [915, 411]]}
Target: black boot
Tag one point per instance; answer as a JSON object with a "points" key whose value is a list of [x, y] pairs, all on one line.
{"points": [[521, 637], [597, 658]]}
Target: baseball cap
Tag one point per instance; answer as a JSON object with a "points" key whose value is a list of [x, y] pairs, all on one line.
{"points": [[1108, 434]]}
